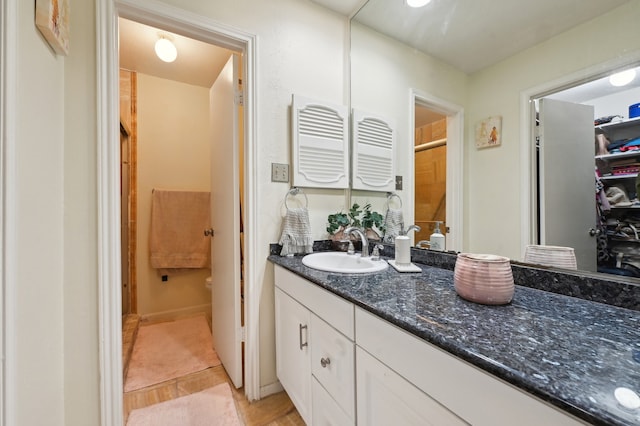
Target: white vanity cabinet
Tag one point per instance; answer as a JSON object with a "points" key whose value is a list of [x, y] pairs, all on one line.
{"points": [[315, 360], [402, 375], [343, 365]]}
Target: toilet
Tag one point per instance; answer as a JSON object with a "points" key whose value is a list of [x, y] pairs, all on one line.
{"points": [[207, 283]]}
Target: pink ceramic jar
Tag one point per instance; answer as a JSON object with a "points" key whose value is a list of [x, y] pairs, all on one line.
{"points": [[484, 278]]}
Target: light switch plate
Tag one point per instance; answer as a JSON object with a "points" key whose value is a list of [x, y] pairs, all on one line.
{"points": [[279, 172], [398, 183]]}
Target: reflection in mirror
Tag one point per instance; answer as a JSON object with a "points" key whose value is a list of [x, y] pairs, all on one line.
{"points": [[384, 71], [610, 243], [440, 54], [430, 173]]}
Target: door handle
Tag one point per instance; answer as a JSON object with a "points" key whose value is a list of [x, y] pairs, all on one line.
{"points": [[302, 327], [209, 232]]}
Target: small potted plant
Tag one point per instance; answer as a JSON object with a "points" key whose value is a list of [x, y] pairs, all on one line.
{"points": [[371, 221], [359, 217]]}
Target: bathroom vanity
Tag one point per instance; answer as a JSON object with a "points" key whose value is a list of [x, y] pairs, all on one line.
{"points": [[404, 348]]}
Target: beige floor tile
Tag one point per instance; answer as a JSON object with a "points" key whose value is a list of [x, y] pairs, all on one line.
{"points": [[274, 410], [201, 380]]}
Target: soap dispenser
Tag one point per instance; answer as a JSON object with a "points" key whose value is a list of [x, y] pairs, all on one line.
{"points": [[437, 240], [403, 246]]}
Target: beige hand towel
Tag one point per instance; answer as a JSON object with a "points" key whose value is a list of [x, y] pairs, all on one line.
{"points": [[178, 221]]}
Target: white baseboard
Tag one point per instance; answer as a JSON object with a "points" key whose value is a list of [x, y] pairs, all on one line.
{"points": [[177, 313], [270, 389]]}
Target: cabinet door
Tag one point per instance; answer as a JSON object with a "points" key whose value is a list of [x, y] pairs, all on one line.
{"points": [[293, 353], [385, 398], [326, 412], [332, 363]]}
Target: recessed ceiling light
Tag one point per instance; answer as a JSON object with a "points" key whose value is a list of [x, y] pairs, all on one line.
{"points": [[417, 3], [166, 50], [622, 78]]}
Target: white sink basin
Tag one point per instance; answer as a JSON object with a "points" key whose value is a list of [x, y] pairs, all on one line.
{"points": [[337, 261]]}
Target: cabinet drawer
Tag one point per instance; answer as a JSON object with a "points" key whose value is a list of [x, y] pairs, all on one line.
{"points": [[332, 363], [335, 310], [325, 410]]}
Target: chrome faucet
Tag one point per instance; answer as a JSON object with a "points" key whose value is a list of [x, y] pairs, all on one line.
{"points": [[363, 238], [422, 243], [409, 229]]}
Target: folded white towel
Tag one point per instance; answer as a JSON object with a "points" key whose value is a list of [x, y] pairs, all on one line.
{"points": [[393, 224], [296, 232]]}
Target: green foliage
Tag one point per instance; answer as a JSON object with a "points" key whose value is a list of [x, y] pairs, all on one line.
{"points": [[358, 217], [336, 221], [371, 219]]}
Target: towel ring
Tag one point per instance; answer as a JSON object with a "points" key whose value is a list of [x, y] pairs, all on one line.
{"points": [[293, 192], [390, 195]]}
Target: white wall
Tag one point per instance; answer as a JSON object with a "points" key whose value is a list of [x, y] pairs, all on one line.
{"points": [[493, 191], [81, 387], [616, 104], [37, 253], [174, 151]]}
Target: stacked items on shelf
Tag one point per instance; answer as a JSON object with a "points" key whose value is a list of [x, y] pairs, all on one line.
{"points": [[623, 167], [617, 148], [624, 145]]}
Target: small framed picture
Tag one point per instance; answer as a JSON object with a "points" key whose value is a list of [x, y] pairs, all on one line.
{"points": [[52, 19], [489, 132]]}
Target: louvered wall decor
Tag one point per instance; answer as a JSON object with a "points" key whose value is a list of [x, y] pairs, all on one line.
{"points": [[373, 152], [320, 144]]}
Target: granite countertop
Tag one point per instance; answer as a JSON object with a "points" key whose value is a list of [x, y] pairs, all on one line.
{"points": [[570, 352]]}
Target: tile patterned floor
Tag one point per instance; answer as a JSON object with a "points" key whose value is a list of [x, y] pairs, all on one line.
{"points": [[274, 410]]}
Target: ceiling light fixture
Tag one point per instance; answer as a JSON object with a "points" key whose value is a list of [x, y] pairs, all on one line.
{"points": [[417, 3], [622, 78], [166, 50]]}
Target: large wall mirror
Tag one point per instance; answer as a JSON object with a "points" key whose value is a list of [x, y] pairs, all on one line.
{"points": [[445, 61]]}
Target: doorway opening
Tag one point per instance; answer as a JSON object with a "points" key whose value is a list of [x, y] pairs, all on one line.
{"points": [[438, 127], [430, 174], [168, 143], [600, 229], [110, 299]]}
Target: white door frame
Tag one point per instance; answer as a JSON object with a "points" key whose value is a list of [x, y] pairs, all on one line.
{"points": [[455, 139], [176, 20], [8, 106], [528, 228]]}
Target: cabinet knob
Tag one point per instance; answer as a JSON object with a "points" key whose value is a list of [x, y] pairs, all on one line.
{"points": [[594, 232], [209, 232], [324, 362]]}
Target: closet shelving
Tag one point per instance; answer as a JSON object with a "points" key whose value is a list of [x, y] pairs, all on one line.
{"points": [[612, 167], [622, 221]]}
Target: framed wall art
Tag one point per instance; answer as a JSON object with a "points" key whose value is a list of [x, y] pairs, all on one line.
{"points": [[52, 19], [489, 132]]}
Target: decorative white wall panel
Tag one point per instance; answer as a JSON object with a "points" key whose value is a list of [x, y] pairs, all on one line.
{"points": [[373, 152], [320, 144]]}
